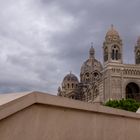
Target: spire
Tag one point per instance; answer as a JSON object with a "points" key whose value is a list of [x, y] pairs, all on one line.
{"points": [[112, 26], [91, 44], [70, 72], [91, 51]]}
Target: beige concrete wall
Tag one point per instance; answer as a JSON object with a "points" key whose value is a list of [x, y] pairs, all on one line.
{"points": [[48, 122]]}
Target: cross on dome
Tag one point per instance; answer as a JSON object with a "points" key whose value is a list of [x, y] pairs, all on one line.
{"points": [[91, 51]]}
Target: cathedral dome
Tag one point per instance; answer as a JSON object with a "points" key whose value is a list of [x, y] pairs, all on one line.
{"points": [[91, 65], [91, 68], [70, 77], [70, 82], [112, 32]]}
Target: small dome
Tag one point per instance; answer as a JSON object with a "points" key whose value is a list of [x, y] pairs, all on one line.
{"points": [[112, 32], [138, 41], [70, 82], [70, 77]]}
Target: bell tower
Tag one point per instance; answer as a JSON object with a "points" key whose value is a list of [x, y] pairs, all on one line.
{"points": [[112, 47], [137, 52]]}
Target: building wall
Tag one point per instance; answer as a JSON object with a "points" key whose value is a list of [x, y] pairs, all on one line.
{"points": [[116, 77], [77, 121]]}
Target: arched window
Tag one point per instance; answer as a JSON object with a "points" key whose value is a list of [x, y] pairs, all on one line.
{"points": [[87, 77], [96, 75], [87, 74], [105, 54], [72, 85], [73, 97], [68, 85], [115, 54]]}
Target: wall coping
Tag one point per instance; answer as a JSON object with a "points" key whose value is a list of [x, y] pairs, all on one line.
{"points": [[12, 103]]}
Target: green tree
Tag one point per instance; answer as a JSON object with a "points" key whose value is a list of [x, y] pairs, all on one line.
{"points": [[125, 104]]}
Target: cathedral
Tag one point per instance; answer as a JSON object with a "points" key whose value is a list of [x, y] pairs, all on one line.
{"points": [[112, 80]]}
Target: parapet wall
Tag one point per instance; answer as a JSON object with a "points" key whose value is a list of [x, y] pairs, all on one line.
{"points": [[57, 118]]}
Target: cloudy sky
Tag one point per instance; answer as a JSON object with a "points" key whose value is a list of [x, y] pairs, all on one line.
{"points": [[42, 40]]}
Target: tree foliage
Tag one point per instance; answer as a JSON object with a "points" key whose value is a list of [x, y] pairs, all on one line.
{"points": [[125, 104]]}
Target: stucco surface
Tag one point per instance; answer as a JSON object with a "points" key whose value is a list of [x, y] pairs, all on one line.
{"points": [[54, 118]]}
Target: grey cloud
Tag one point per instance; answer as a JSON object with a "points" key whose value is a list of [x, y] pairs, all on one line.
{"points": [[45, 39]]}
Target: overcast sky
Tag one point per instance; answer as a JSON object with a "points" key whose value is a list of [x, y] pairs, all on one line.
{"points": [[42, 40]]}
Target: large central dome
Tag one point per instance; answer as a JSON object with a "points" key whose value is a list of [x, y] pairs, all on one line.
{"points": [[91, 65], [91, 68]]}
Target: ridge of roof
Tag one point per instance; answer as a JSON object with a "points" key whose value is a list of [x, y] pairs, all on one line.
{"points": [[15, 103]]}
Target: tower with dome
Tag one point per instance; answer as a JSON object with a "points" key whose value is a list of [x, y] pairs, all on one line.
{"points": [[112, 80]]}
